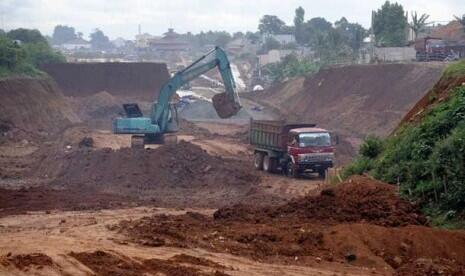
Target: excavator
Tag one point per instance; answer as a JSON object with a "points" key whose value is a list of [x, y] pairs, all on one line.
{"points": [[159, 127]]}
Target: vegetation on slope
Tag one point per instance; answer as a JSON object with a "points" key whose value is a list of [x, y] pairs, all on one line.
{"points": [[426, 158], [22, 50]]}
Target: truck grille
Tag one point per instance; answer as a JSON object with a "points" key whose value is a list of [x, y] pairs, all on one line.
{"points": [[316, 157]]}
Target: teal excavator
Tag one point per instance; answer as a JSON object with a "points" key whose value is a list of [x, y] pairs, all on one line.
{"points": [[163, 121]]}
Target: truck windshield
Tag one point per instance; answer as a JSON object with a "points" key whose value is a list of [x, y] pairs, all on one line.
{"points": [[319, 139]]}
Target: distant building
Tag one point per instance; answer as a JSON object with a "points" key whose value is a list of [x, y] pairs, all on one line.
{"points": [[240, 45], [76, 44], [170, 42], [144, 40], [281, 38], [119, 42]]}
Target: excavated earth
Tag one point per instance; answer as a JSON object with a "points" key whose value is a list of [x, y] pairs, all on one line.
{"points": [[362, 222], [75, 201]]}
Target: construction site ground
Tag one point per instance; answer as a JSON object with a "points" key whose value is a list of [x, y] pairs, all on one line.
{"points": [[75, 200], [58, 229]]}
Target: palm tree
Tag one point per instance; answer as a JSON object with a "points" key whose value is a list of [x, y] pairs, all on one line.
{"points": [[418, 23]]}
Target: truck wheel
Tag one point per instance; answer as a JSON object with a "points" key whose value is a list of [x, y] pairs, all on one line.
{"points": [[258, 161], [137, 142], [291, 170], [322, 173], [269, 164]]}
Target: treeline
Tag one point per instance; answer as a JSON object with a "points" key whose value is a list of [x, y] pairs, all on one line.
{"points": [[23, 50], [427, 159]]}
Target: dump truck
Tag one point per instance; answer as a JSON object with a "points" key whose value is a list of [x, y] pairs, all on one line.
{"points": [[294, 149]]}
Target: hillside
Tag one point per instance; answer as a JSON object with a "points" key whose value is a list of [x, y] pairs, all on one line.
{"points": [[425, 154]]}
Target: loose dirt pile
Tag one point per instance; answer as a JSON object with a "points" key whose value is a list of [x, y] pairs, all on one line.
{"points": [[352, 223], [32, 109], [26, 261], [97, 110], [359, 199], [137, 80], [171, 175], [106, 264]]}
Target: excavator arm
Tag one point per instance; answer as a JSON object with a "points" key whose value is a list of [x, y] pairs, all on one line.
{"points": [[226, 104], [152, 129]]}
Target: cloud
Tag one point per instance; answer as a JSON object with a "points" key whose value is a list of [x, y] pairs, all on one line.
{"points": [[122, 17]]}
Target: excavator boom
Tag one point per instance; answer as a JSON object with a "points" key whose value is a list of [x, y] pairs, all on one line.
{"points": [[163, 114]]}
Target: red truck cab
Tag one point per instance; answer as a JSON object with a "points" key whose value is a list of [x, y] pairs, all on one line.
{"points": [[309, 149], [292, 148]]}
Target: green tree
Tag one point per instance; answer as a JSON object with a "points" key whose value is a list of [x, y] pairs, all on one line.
{"points": [[253, 37], [99, 40], [315, 29], [352, 33], [237, 35], [271, 24], [222, 38], [26, 36], [299, 25], [11, 54], [271, 44], [63, 34], [390, 25], [418, 24]]}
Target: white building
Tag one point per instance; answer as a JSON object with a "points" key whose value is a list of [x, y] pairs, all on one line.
{"points": [[281, 38], [76, 44]]}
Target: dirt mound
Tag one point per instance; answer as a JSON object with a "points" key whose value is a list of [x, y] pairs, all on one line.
{"points": [[355, 100], [97, 110], [141, 80], [359, 199], [24, 261], [33, 108], [303, 232], [423, 267], [173, 175], [103, 264]]}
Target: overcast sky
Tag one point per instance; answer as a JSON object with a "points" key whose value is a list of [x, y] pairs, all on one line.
{"points": [[120, 18]]}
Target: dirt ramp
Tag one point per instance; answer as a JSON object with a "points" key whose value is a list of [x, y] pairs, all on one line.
{"points": [[142, 80], [34, 106]]}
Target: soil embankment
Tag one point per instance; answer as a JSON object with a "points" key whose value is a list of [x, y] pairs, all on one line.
{"points": [[136, 80], [33, 107]]}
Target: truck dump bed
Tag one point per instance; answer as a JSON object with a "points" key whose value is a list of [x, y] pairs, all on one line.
{"points": [[272, 135]]}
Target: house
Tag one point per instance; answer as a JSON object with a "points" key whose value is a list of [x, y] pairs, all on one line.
{"points": [[76, 44], [241, 45], [281, 38], [170, 42], [143, 40], [119, 42]]}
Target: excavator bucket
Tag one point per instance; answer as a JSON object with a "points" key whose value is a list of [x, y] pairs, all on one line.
{"points": [[225, 106]]}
